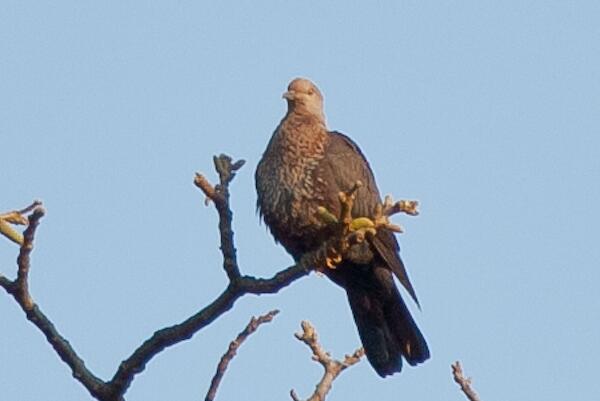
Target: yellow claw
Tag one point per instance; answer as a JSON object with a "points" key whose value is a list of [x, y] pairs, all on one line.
{"points": [[333, 261], [361, 222]]}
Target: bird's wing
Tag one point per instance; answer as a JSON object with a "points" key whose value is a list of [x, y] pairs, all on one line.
{"points": [[342, 166]]}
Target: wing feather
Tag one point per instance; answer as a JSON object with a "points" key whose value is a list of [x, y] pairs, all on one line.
{"points": [[343, 165]]}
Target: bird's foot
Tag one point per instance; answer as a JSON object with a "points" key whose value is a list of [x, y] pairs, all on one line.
{"points": [[324, 258]]}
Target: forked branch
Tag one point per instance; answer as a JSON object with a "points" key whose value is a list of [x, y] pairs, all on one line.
{"points": [[332, 367]]}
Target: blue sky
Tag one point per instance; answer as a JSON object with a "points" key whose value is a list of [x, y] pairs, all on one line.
{"points": [[487, 112]]}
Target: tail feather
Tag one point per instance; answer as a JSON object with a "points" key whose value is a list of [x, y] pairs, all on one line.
{"points": [[386, 328]]}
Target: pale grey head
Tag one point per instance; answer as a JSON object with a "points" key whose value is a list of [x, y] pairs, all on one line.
{"points": [[303, 97]]}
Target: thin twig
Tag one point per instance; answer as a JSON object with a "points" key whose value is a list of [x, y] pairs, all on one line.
{"points": [[23, 261], [219, 194], [232, 350], [464, 382], [16, 217], [19, 289], [331, 366]]}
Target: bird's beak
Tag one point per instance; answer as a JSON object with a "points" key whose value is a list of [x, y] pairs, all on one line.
{"points": [[289, 95]]}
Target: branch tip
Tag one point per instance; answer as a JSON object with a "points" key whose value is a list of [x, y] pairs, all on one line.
{"points": [[331, 366], [19, 217], [209, 191], [294, 395], [231, 352], [464, 382]]}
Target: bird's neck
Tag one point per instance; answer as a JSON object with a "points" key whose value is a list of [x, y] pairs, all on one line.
{"points": [[303, 135], [306, 114], [302, 139], [303, 126]]}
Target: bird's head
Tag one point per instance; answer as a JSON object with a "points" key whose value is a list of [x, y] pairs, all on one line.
{"points": [[304, 97]]}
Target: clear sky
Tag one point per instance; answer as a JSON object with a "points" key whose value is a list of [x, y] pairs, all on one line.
{"points": [[486, 112]]}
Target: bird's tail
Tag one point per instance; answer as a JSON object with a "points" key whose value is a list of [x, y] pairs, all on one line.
{"points": [[386, 328]]}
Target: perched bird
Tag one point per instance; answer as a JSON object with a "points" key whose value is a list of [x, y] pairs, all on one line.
{"points": [[306, 166]]}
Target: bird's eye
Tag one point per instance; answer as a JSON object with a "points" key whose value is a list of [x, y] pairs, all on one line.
{"points": [[311, 92]]}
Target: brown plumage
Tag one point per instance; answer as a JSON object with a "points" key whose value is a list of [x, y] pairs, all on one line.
{"points": [[305, 166]]}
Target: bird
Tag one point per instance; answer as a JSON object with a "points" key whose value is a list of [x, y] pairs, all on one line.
{"points": [[305, 166]]}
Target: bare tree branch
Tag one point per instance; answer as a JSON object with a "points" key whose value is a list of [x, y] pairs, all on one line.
{"points": [[232, 350], [464, 382], [331, 366], [19, 289], [239, 286], [23, 261], [220, 196]]}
